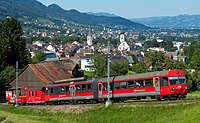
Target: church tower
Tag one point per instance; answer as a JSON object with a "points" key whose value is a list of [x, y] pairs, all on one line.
{"points": [[89, 49], [89, 38], [123, 47]]}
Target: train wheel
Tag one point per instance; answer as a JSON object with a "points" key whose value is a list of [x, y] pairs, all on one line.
{"points": [[159, 99], [167, 98]]}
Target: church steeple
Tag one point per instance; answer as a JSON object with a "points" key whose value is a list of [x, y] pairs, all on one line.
{"points": [[123, 47], [89, 38], [89, 49]]}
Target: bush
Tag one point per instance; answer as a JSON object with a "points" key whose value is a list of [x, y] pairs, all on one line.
{"points": [[2, 118]]}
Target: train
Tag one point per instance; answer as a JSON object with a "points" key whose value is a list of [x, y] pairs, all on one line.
{"points": [[160, 85]]}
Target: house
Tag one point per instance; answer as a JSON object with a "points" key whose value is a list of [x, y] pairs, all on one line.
{"points": [[172, 55], [50, 56], [40, 74], [86, 63], [159, 49], [51, 47], [130, 60]]}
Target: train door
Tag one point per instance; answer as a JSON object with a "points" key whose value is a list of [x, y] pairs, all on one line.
{"points": [[100, 92], [156, 82], [72, 92]]}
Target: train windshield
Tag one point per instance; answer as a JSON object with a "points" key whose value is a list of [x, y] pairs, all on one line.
{"points": [[182, 79], [173, 80]]}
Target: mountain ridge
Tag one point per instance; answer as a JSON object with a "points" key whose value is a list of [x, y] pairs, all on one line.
{"points": [[34, 8], [179, 21]]}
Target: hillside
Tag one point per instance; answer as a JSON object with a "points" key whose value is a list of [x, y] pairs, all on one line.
{"points": [[34, 9], [136, 112], [181, 21]]}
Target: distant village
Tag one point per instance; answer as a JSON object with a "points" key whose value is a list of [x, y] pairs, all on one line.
{"points": [[82, 53]]}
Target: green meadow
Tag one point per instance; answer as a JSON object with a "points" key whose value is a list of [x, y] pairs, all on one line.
{"points": [[150, 112]]}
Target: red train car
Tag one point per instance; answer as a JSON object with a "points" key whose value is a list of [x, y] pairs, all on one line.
{"points": [[11, 95], [65, 93], [169, 84], [35, 96]]}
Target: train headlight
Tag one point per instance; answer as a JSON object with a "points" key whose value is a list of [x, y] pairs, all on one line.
{"points": [[173, 89]]}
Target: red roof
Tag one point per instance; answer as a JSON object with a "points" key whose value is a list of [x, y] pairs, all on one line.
{"points": [[50, 71]]}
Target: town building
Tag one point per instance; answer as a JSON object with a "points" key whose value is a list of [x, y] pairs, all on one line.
{"points": [[123, 47], [89, 48]]}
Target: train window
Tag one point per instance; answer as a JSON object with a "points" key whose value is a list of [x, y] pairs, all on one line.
{"points": [[62, 89], [164, 81], [78, 88], [148, 83], [116, 85], [173, 80], [89, 87], [32, 93], [84, 87], [130, 84], [182, 79], [67, 89], [105, 87], [46, 91], [51, 90], [139, 83], [123, 85]]}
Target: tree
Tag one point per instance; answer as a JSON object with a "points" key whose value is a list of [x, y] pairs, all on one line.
{"points": [[195, 60], [12, 44], [155, 60], [139, 67], [99, 64], [5, 76], [39, 56], [12, 49], [189, 50], [118, 68]]}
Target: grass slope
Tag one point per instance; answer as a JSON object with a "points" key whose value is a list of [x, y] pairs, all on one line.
{"points": [[117, 113]]}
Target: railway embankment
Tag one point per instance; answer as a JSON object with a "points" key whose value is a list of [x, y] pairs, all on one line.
{"points": [[179, 111]]}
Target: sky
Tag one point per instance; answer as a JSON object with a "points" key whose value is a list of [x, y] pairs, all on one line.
{"points": [[131, 8]]}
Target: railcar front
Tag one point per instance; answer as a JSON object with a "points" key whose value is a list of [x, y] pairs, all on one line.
{"points": [[11, 95], [175, 85]]}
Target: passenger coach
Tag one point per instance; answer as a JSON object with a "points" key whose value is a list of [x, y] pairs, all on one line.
{"points": [[170, 84]]}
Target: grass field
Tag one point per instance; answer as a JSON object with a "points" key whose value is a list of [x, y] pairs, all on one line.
{"points": [[151, 112], [194, 94]]}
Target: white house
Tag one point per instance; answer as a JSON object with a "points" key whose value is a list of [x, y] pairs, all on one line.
{"points": [[86, 63], [51, 48], [123, 45]]}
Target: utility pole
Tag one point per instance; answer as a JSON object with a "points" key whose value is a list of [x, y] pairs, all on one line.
{"points": [[16, 84], [108, 80]]}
